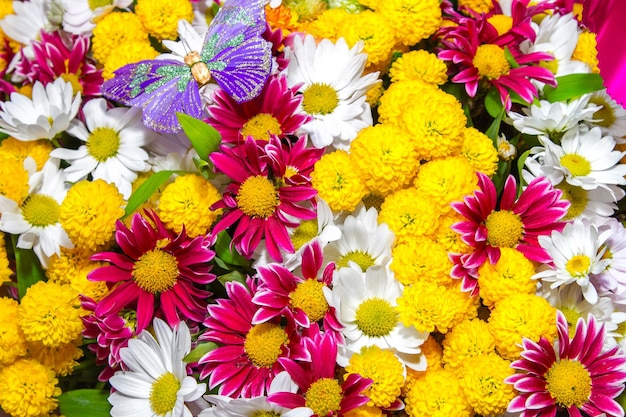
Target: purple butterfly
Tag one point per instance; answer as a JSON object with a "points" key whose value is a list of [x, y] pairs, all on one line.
{"points": [[233, 54]]}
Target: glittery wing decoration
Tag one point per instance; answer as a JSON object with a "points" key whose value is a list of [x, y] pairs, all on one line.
{"points": [[161, 88], [237, 56]]}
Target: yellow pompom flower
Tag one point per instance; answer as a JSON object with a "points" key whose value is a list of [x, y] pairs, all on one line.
{"points": [[127, 53], [479, 151], [113, 30], [376, 33], [409, 213], [71, 268], [5, 271], [364, 411], [283, 18], [89, 212], [385, 156], [521, 316], [338, 181], [160, 17], [28, 389], [328, 25], [482, 381], [6, 8], [61, 359], [50, 313], [437, 394], [13, 178], [412, 20], [39, 150], [450, 239], [397, 96], [421, 259], [307, 10], [12, 340], [479, 6], [419, 65], [510, 275], [467, 340], [431, 349], [586, 51]]}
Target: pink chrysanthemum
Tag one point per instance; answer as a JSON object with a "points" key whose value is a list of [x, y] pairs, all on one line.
{"points": [[274, 111], [270, 191], [511, 223], [248, 359], [159, 273], [68, 59], [319, 390], [576, 376]]}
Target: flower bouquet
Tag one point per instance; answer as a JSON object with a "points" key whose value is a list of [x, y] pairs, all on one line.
{"points": [[299, 208]]}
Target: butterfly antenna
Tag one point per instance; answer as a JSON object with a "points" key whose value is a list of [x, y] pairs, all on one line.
{"points": [[186, 46]]}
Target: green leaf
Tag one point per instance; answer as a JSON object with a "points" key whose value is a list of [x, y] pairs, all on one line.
{"points": [[494, 129], [232, 276], [572, 86], [520, 167], [145, 190], [510, 58], [493, 103], [85, 403], [204, 138], [224, 252], [199, 351], [27, 267]]}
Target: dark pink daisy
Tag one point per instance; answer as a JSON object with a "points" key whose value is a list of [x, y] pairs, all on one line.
{"points": [[270, 191], [508, 222], [576, 375], [157, 273], [319, 390]]}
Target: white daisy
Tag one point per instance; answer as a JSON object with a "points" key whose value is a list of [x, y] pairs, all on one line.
{"points": [[366, 306], [189, 40], [113, 149], [29, 18], [47, 114], [36, 220], [577, 254], [79, 17], [156, 383], [613, 235], [611, 117], [331, 79]]}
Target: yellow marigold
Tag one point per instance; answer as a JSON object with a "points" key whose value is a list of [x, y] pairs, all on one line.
{"points": [[89, 212], [412, 20], [519, 316], [66, 265], [419, 65], [50, 313], [467, 339], [283, 18], [509, 276], [12, 340], [5, 271], [329, 24], [421, 259], [429, 307], [113, 30], [374, 94], [479, 151], [479, 6], [13, 178], [447, 180], [376, 33], [39, 150], [501, 22], [160, 17], [364, 411], [482, 381], [397, 96], [437, 394], [186, 201], [450, 239], [386, 157], [436, 121], [586, 52], [61, 359], [6, 8], [338, 181], [127, 53], [28, 389], [409, 214]]}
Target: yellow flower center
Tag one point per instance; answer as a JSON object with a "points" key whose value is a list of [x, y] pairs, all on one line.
{"points": [[552, 66], [569, 383], [40, 210], [309, 297], [577, 165], [605, 116], [264, 344], [94, 4], [163, 394], [257, 197], [491, 62], [73, 79], [324, 396], [103, 143], [362, 259], [577, 198], [501, 22], [156, 271], [504, 229], [261, 126], [578, 266], [320, 99], [304, 233], [376, 317]]}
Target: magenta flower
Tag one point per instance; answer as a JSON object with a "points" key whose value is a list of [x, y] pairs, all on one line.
{"points": [[157, 273], [576, 376]]}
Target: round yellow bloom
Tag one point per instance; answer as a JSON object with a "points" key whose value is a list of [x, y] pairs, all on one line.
{"points": [[364, 411], [466, 340], [127, 53], [89, 212], [437, 394], [519, 316], [12, 340], [397, 96], [482, 381], [510, 275], [160, 17], [5, 271], [450, 239], [421, 259], [431, 349], [409, 213], [282, 18], [61, 359], [6, 8], [479, 6], [586, 51], [307, 10], [479, 151], [419, 65], [329, 24], [385, 156], [338, 181], [13, 178], [39, 150], [376, 33], [28, 389], [113, 30], [412, 20]]}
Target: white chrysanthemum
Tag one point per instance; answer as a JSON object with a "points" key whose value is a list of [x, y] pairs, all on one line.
{"points": [[189, 40], [331, 79], [29, 18], [366, 304], [613, 278], [577, 255], [36, 221], [113, 149], [611, 117], [156, 383], [79, 17], [47, 114]]}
